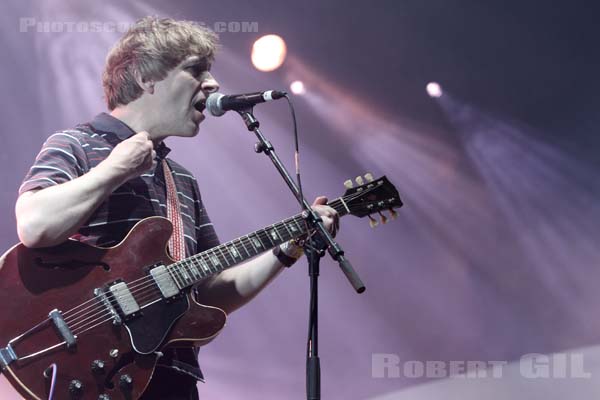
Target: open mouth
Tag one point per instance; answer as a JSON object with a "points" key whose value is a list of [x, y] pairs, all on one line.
{"points": [[200, 105]]}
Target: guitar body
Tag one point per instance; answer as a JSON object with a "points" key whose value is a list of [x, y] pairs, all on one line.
{"points": [[93, 321], [114, 360]]}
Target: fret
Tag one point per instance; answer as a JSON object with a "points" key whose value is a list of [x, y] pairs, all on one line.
{"points": [[258, 246], [268, 237], [282, 232], [285, 225], [205, 267], [244, 246], [214, 260], [298, 227], [180, 278], [222, 249], [173, 273], [252, 244], [274, 235], [293, 228], [209, 262], [234, 252], [194, 270], [182, 270], [340, 206], [248, 245]]}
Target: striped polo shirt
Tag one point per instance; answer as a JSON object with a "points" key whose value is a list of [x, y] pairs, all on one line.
{"points": [[71, 153]]}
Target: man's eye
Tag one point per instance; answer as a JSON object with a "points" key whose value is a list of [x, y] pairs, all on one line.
{"points": [[195, 70]]}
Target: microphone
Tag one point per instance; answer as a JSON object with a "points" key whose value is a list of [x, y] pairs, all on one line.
{"points": [[218, 104]]}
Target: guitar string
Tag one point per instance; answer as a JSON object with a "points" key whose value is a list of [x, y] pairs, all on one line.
{"points": [[147, 294], [95, 317], [86, 326], [100, 309], [102, 312], [195, 257], [189, 267], [150, 283], [147, 287]]}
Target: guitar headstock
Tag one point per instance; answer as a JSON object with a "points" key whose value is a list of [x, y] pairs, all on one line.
{"points": [[375, 196]]}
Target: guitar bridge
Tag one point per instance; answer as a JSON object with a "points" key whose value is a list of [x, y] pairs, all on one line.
{"points": [[63, 329]]}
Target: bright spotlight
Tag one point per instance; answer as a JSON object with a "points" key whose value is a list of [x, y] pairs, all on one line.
{"points": [[297, 87], [268, 53], [434, 89]]}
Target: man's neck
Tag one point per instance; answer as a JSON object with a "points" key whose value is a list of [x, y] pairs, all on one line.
{"points": [[137, 121]]}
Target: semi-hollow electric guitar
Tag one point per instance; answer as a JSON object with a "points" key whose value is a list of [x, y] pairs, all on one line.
{"points": [[85, 322]]}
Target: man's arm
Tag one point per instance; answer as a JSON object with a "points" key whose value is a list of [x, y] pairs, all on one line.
{"points": [[236, 286], [51, 215]]}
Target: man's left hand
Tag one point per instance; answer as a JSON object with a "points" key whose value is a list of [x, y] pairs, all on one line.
{"points": [[330, 217]]}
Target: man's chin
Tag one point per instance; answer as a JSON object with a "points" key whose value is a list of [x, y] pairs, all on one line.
{"points": [[190, 131]]}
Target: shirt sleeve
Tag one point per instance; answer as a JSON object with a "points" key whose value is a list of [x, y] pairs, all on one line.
{"points": [[61, 159]]}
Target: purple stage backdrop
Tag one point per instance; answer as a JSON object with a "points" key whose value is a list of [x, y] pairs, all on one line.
{"points": [[495, 253]]}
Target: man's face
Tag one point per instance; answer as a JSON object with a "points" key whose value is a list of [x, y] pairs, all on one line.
{"points": [[174, 97]]}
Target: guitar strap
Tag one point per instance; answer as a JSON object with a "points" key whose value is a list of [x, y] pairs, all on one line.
{"points": [[176, 242], [174, 359]]}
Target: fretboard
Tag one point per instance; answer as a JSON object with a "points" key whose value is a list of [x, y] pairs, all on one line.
{"points": [[189, 271]]}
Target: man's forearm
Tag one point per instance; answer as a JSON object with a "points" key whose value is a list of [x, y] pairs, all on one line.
{"points": [[51, 215], [236, 286]]}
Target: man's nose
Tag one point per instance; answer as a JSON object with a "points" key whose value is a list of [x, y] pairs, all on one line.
{"points": [[210, 84]]}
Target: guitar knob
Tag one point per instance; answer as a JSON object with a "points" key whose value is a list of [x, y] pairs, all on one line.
{"points": [[348, 184], [75, 388], [384, 219], [359, 180], [393, 213], [98, 367], [372, 222], [369, 177], [125, 382], [104, 397]]}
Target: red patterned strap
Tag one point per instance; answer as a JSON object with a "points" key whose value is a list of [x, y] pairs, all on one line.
{"points": [[176, 242]]}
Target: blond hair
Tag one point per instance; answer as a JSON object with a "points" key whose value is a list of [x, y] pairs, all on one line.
{"points": [[151, 48]]}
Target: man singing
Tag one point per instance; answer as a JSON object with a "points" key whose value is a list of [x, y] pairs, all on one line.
{"points": [[93, 183]]}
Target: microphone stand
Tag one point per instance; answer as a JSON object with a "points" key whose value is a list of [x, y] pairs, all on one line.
{"points": [[314, 249]]}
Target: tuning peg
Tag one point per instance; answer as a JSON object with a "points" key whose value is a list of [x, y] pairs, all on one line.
{"points": [[384, 219], [369, 177], [359, 180], [393, 213], [372, 222], [348, 184]]}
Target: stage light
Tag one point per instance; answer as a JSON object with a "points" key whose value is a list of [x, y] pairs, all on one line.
{"points": [[268, 53], [434, 89], [297, 87]]}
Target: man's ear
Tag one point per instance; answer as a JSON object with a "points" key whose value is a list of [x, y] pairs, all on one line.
{"points": [[147, 86]]}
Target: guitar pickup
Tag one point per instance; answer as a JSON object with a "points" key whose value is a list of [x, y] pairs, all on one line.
{"points": [[124, 298], [167, 286]]}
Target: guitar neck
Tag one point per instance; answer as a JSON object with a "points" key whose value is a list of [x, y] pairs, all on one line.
{"points": [[191, 270]]}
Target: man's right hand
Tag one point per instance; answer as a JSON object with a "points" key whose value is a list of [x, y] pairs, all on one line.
{"points": [[132, 157]]}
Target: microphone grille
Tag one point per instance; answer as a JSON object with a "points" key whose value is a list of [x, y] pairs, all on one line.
{"points": [[213, 104]]}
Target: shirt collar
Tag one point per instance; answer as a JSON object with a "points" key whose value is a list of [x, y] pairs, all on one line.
{"points": [[106, 123]]}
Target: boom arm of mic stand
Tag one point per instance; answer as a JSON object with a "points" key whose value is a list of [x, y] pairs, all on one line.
{"points": [[335, 250]]}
